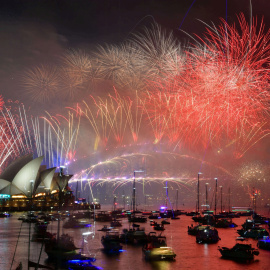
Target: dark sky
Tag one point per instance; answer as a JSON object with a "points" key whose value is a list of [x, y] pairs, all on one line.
{"points": [[38, 31], [104, 19]]}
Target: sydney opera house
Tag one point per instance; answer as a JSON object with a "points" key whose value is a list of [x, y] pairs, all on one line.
{"points": [[26, 184]]}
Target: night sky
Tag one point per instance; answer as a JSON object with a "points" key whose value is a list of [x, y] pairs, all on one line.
{"points": [[38, 32]]}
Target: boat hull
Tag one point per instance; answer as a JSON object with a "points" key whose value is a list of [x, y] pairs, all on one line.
{"points": [[236, 256], [264, 243], [54, 255], [159, 254], [243, 252]]}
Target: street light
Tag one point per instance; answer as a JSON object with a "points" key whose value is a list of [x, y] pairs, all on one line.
{"points": [[134, 192]]}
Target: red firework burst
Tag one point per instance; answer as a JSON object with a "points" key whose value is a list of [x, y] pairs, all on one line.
{"points": [[223, 92], [1, 102]]}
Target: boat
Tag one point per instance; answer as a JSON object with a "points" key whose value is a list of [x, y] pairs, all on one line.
{"points": [[225, 223], [105, 228], [133, 236], [164, 213], [193, 230], [40, 232], [154, 216], [157, 249], [159, 227], [76, 223], [23, 217], [83, 264], [207, 234], [116, 223], [248, 224], [165, 222], [207, 219], [192, 213], [111, 242], [239, 251], [138, 219], [62, 249], [5, 215], [153, 223], [31, 217], [48, 217], [103, 216], [255, 232], [264, 243], [259, 219], [80, 261]]}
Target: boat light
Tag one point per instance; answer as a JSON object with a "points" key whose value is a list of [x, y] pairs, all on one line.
{"points": [[87, 233]]}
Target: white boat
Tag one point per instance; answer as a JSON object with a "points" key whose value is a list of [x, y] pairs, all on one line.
{"points": [[157, 249]]}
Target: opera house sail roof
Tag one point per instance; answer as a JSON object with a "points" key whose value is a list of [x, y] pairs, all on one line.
{"points": [[26, 176], [10, 172]]}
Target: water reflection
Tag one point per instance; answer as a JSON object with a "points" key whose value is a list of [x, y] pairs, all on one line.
{"points": [[189, 254], [205, 249], [163, 265]]}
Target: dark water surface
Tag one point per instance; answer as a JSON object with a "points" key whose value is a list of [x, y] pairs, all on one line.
{"points": [[190, 255]]}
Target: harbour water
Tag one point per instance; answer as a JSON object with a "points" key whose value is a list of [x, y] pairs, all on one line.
{"points": [[190, 255]]}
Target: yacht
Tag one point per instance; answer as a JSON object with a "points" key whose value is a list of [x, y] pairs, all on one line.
{"points": [[157, 249], [239, 252], [207, 234]]}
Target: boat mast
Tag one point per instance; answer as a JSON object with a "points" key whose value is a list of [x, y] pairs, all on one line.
{"points": [[77, 191], [133, 195], [167, 194], [134, 192], [221, 199], [229, 200], [206, 196], [114, 203], [198, 193], [124, 200], [177, 199], [254, 202], [216, 197]]}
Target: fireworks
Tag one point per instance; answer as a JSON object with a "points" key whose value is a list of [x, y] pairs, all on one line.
{"points": [[58, 144], [159, 167], [15, 135], [159, 53], [42, 83], [228, 79], [1, 102], [222, 94], [211, 95], [77, 71], [21, 135]]}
